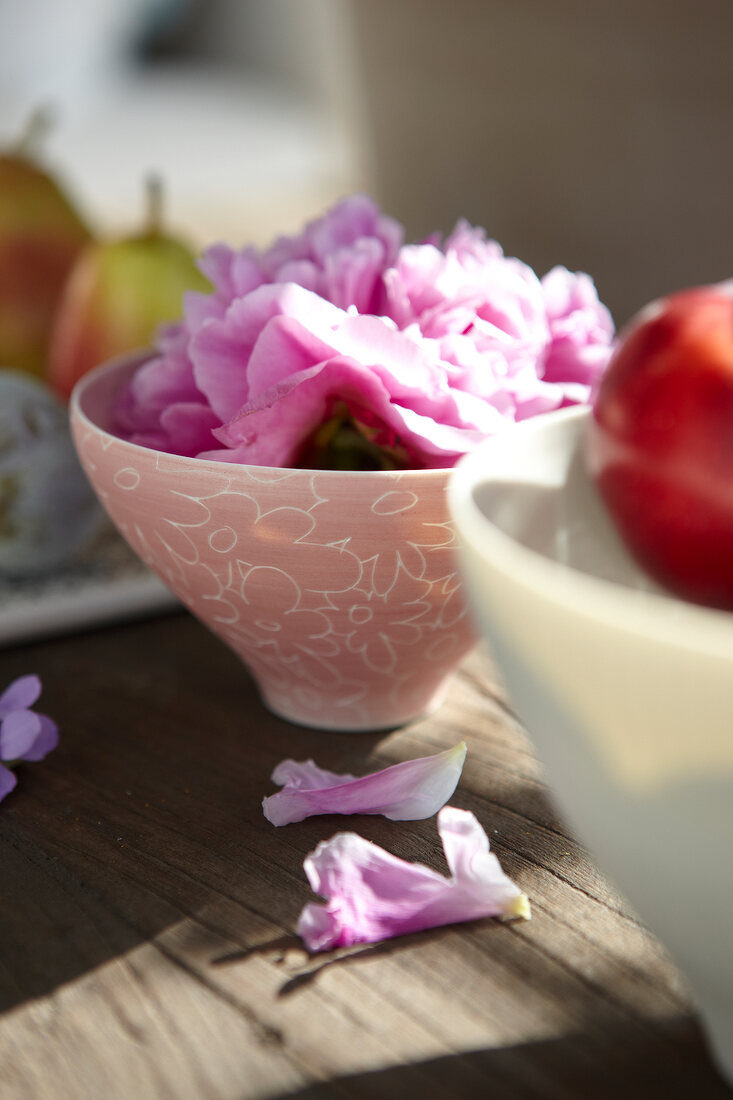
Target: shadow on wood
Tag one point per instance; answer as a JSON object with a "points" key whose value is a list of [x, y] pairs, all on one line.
{"points": [[672, 1063], [150, 808]]}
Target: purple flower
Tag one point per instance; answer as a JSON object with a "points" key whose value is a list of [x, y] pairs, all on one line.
{"points": [[372, 895], [403, 792], [24, 735], [341, 347]]}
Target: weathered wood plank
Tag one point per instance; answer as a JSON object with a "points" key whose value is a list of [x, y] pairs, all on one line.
{"points": [[147, 912]]}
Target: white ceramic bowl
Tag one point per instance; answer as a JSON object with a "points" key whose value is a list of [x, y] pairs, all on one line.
{"points": [[626, 691]]}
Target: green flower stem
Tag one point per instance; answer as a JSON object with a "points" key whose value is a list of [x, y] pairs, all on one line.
{"points": [[344, 443]]}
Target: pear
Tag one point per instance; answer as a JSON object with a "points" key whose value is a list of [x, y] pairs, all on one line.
{"points": [[117, 294], [41, 234]]}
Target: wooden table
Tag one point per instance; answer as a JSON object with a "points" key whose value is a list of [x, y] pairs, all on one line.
{"points": [[148, 908]]}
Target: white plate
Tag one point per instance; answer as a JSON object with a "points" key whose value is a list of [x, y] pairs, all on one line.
{"points": [[107, 584]]}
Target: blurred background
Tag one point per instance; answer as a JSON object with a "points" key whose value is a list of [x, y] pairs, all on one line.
{"points": [[597, 135]]}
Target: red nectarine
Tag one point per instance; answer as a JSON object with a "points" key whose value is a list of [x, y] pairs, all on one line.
{"points": [[660, 442]]}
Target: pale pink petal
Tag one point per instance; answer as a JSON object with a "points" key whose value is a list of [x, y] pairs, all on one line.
{"points": [[469, 242], [474, 868], [290, 344], [285, 251], [274, 434], [216, 264], [246, 272], [155, 386], [221, 350], [188, 426], [156, 440], [199, 308], [581, 328], [350, 221], [301, 273], [306, 774], [403, 792], [403, 364], [351, 275], [372, 895], [162, 407]]}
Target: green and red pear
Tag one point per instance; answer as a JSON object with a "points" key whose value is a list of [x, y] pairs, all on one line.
{"points": [[41, 235], [117, 294]]}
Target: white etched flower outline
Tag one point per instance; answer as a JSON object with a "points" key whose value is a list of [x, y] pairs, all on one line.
{"points": [[378, 626], [381, 561], [276, 618]]}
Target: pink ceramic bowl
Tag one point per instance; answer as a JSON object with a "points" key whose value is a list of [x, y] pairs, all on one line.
{"points": [[337, 590]]}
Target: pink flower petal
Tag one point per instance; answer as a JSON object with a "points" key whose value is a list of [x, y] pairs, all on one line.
{"points": [[317, 355], [581, 330], [372, 895], [221, 350], [300, 338], [273, 434], [351, 220], [157, 386], [189, 426], [306, 775], [216, 264], [403, 792], [469, 860], [159, 382], [350, 275]]}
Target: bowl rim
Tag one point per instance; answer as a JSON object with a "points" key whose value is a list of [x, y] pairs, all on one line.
{"points": [[131, 360], [657, 616]]}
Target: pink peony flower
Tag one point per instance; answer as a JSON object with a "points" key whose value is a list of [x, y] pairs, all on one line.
{"points": [[403, 792], [581, 331], [372, 895], [340, 347], [526, 346], [313, 363], [172, 405]]}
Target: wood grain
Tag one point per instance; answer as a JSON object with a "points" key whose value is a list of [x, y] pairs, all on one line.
{"points": [[148, 908]]}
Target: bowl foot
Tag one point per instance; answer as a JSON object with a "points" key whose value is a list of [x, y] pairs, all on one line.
{"points": [[372, 713]]}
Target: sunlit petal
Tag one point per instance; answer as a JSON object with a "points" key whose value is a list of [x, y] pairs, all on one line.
{"points": [[371, 895], [403, 792]]}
